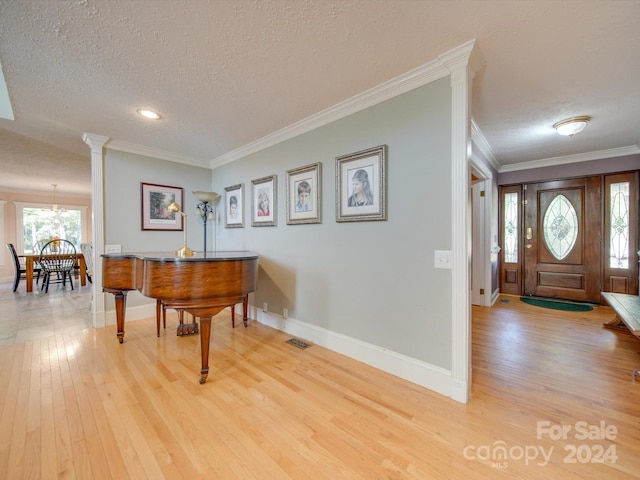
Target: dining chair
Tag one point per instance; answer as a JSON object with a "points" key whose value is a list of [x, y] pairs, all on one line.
{"points": [[36, 249], [21, 271], [87, 253], [57, 258]]}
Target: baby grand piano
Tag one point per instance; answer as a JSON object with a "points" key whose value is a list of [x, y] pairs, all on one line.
{"points": [[201, 285]]}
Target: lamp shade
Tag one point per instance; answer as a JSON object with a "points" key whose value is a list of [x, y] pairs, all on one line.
{"points": [[571, 126], [207, 197]]}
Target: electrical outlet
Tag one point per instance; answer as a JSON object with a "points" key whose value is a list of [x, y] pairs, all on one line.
{"points": [[264, 307], [285, 313]]}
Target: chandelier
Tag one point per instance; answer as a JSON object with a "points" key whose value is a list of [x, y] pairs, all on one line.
{"points": [[54, 205]]}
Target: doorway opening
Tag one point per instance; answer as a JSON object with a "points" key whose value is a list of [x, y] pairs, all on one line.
{"points": [[571, 238]]}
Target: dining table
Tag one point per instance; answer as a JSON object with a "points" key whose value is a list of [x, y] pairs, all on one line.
{"points": [[30, 260]]}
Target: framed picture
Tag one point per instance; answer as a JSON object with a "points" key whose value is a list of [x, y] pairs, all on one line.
{"points": [[234, 206], [361, 186], [155, 200], [264, 202], [304, 194]]}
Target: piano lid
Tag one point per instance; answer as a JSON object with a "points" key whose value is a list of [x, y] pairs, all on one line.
{"points": [[197, 256]]}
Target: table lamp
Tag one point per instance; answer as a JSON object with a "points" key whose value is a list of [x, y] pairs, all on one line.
{"points": [[184, 251]]}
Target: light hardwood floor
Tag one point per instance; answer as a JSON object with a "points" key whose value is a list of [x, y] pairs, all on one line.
{"points": [[80, 405]]}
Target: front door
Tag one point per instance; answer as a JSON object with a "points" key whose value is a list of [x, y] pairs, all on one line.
{"points": [[562, 225]]}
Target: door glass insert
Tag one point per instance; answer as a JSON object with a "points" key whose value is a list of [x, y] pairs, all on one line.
{"points": [[619, 219], [560, 227], [511, 227]]}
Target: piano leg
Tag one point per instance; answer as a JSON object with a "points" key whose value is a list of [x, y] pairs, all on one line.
{"points": [[158, 313], [121, 304], [205, 333], [245, 308]]}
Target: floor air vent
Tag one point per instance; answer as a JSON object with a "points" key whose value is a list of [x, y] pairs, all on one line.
{"points": [[298, 343]]}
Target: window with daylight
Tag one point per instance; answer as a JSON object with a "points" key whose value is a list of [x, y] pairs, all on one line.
{"points": [[36, 224], [560, 225], [511, 227], [619, 230]]}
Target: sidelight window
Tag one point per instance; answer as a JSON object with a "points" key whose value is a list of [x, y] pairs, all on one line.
{"points": [[619, 221], [511, 227]]}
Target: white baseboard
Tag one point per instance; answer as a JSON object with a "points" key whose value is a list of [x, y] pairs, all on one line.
{"points": [[494, 296], [138, 312], [416, 371], [132, 313]]}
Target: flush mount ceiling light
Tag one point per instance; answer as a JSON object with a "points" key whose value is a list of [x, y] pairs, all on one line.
{"points": [[572, 125], [148, 114]]}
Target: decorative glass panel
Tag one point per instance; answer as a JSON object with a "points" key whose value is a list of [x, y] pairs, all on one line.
{"points": [[619, 234], [511, 227], [560, 226]]}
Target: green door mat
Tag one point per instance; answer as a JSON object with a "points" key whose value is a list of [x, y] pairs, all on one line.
{"points": [[557, 304]]}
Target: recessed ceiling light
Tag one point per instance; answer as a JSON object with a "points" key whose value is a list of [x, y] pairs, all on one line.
{"points": [[148, 114]]}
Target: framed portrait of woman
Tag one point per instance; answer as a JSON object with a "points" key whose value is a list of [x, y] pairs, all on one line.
{"points": [[361, 185], [234, 206], [264, 202]]}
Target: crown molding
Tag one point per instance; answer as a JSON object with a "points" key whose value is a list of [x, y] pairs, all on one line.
{"points": [[94, 141], [479, 140], [465, 55], [423, 75], [39, 192], [156, 153], [6, 111], [576, 158]]}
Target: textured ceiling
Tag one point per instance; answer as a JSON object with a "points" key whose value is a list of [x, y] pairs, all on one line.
{"points": [[226, 73]]}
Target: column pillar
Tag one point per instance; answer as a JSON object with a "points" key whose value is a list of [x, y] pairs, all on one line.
{"points": [[96, 143], [462, 63]]}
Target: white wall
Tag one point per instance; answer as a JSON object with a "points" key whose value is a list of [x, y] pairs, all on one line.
{"points": [[373, 282]]}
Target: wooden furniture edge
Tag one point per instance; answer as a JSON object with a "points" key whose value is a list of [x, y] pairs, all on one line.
{"points": [[624, 315]]}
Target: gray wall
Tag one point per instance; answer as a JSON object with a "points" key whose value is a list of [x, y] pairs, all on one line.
{"points": [[371, 281], [123, 174]]}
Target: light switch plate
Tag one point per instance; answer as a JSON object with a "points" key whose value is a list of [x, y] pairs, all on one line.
{"points": [[112, 249], [442, 259]]}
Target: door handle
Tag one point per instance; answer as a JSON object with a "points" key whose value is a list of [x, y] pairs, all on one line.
{"points": [[529, 234]]}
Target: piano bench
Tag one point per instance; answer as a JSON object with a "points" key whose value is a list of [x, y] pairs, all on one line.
{"points": [[627, 308]]}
